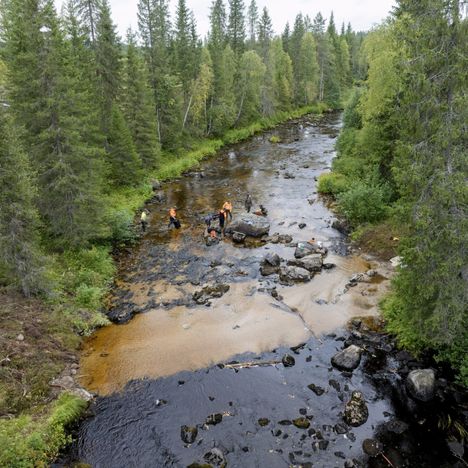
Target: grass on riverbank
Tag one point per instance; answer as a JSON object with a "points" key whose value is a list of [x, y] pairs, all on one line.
{"points": [[33, 430]]}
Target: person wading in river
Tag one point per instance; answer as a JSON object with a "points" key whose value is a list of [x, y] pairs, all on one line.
{"points": [[227, 207], [248, 203], [222, 219], [173, 221], [144, 219]]}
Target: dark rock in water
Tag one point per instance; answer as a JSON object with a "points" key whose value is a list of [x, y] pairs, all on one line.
{"points": [[301, 423], [238, 237], [209, 292], [209, 241], [215, 457], [214, 419], [340, 455], [267, 270], [340, 428], [277, 238], [323, 444], [302, 225], [250, 225], [335, 384], [396, 426], [350, 464], [122, 314], [303, 249], [288, 360], [356, 412], [311, 263], [272, 259], [341, 226], [372, 447], [347, 359], [288, 175], [263, 422], [328, 266], [316, 389], [290, 274], [421, 384], [159, 197], [285, 422], [188, 434], [199, 465]]}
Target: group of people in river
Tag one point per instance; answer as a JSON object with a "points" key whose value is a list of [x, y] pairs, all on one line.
{"points": [[223, 216]]}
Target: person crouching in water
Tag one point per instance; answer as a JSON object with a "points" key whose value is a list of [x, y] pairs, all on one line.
{"points": [[248, 203], [173, 221], [227, 207], [144, 219]]}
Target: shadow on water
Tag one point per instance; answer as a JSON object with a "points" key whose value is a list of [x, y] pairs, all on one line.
{"points": [[177, 343]]}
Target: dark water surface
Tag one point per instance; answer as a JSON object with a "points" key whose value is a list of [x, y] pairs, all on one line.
{"points": [[176, 344]]}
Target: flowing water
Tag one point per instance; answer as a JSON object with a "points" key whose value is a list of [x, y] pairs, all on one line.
{"points": [[172, 342]]}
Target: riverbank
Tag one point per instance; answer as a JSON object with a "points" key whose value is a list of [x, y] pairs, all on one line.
{"points": [[32, 428]]}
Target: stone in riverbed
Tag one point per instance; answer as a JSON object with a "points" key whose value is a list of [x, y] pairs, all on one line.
{"points": [[421, 384], [215, 457], [238, 237], [372, 447], [188, 434], [316, 389], [356, 412], [250, 225], [209, 292], [303, 249], [288, 360], [312, 262], [263, 422], [214, 419], [291, 274], [302, 225], [270, 264], [348, 359], [301, 423]]}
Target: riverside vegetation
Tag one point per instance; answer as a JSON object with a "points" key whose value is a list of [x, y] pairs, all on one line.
{"points": [[401, 171], [86, 123]]}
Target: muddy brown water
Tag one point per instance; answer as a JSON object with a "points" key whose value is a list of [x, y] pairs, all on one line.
{"points": [[156, 373]]}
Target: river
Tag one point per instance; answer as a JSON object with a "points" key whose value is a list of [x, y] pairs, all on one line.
{"points": [[159, 372]]}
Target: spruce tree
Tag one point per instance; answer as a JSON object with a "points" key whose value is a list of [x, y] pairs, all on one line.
{"points": [[252, 20], [88, 12], [137, 105], [307, 79], [20, 254], [286, 36], [265, 34], [236, 27], [123, 160]]}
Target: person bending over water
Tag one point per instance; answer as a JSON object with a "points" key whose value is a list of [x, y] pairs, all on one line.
{"points": [[173, 221]]}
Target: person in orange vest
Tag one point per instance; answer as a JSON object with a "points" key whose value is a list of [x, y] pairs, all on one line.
{"points": [[173, 221], [227, 207]]}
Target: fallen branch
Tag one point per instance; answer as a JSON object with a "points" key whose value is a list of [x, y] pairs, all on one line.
{"points": [[248, 364]]}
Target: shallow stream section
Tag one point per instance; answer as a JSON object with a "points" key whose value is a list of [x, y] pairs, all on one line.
{"points": [[161, 370]]}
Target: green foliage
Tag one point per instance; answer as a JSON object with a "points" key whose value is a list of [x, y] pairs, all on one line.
{"points": [[332, 183], [275, 139], [362, 203], [30, 442]]}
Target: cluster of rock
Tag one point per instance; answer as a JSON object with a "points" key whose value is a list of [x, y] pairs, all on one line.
{"points": [[210, 291], [308, 261]]}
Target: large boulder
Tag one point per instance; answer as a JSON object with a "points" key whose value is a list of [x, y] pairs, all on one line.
{"points": [[347, 359], [292, 274], [304, 249], [270, 264], [421, 384], [313, 262], [277, 238], [250, 225], [356, 412]]}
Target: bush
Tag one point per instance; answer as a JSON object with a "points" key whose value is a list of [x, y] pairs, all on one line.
{"points": [[121, 226], [89, 297], [332, 183], [363, 203]]}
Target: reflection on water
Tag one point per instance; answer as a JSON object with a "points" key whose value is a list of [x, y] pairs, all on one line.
{"points": [[162, 272]]}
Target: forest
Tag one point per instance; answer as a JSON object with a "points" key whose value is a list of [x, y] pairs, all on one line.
{"points": [[402, 168]]}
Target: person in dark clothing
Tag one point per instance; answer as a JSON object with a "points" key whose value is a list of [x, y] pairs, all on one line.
{"points": [[222, 219], [144, 219], [248, 203], [173, 221]]}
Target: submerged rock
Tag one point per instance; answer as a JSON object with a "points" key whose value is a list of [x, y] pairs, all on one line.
{"points": [[288, 360], [214, 419], [356, 412], [291, 274], [302, 225], [301, 423], [188, 434], [421, 384], [209, 292], [372, 447], [348, 359], [215, 457], [250, 225], [263, 422], [277, 238], [316, 389]]}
